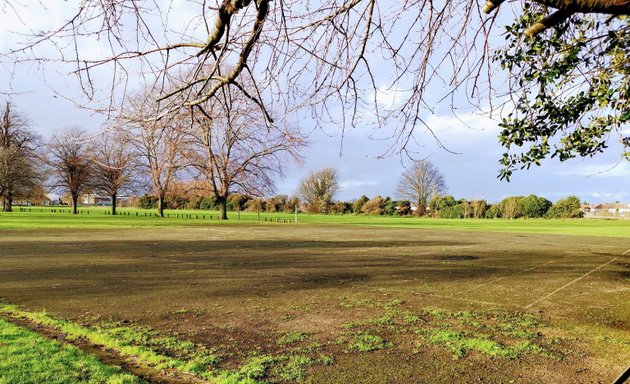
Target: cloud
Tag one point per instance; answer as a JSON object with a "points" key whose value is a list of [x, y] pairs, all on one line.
{"points": [[611, 170], [19, 18], [356, 183], [608, 195], [462, 128], [391, 98]]}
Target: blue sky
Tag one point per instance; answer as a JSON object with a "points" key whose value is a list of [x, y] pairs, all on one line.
{"points": [[470, 173]]}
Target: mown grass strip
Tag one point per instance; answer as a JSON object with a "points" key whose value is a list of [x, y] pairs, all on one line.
{"points": [[42, 217], [199, 365], [26, 357]]}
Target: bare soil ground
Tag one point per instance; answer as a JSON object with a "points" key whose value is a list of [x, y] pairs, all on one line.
{"points": [[239, 289]]}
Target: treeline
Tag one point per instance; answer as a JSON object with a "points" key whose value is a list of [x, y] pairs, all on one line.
{"points": [[186, 198], [233, 153], [447, 207], [512, 207], [235, 202]]}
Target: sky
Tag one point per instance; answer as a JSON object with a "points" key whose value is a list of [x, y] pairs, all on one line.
{"points": [[470, 166]]}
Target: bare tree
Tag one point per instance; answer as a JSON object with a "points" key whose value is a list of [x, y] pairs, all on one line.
{"points": [[18, 156], [160, 143], [114, 165], [347, 62], [420, 182], [17, 176], [318, 189], [323, 56], [70, 159], [236, 152]]}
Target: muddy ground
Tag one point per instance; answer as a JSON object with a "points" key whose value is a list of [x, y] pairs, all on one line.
{"points": [[238, 289]]}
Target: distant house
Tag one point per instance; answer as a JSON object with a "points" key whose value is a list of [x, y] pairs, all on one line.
{"points": [[94, 199], [53, 199], [606, 210]]}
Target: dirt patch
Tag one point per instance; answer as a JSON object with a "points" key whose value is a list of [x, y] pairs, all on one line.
{"points": [[458, 258], [240, 290], [335, 278]]}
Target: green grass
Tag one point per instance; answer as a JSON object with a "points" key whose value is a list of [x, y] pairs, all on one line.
{"points": [[140, 344], [43, 217], [461, 343], [291, 338], [293, 370], [459, 332], [195, 358], [256, 367], [365, 342], [26, 357]]}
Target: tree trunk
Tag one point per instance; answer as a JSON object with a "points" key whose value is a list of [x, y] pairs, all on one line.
{"points": [[75, 199], [161, 199], [421, 209], [113, 204], [8, 202], [222, 203]]}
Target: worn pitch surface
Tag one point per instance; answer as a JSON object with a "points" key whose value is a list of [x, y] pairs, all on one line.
{"points": [[236, 288]]}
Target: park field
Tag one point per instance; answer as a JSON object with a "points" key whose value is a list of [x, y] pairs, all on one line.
{"points": [[98, 217], [330, 299]]}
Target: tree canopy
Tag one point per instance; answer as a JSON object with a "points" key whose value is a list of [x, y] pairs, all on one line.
{"points": [[71, 163], [358, 62], [318, 190], [420, 182], [19, 160], [572, 90]]}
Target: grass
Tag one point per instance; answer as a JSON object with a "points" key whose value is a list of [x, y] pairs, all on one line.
{"points": [[257, 367], [361, 302], [494, 333], [365, 342], [291, 338], [461, 343], [189, 357], [43, 217], [26, 357], [141, 344], [294, 368]]}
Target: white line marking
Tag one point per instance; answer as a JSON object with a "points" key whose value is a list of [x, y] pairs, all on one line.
{"points": [[571, 282], [625, 253], [469, 290], [508, 276]]}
